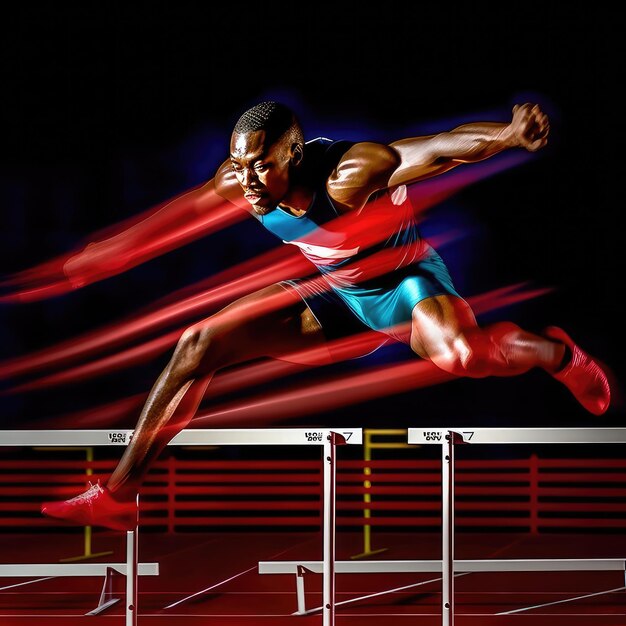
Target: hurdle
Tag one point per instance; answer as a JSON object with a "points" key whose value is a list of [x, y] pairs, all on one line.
{"points": [[448, 439], [447, 566], [327, 439]]}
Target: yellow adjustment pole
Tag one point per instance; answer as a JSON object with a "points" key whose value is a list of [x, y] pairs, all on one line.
{"points": [[367, 496], [368, 446], [87, 533]]}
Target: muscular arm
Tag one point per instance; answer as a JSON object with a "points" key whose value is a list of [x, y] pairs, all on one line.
{"points": [[368, 167], [423, 157]]}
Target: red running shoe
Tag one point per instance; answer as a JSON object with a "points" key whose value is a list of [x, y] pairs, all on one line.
{"points": [[94, 507], [582, 375]]}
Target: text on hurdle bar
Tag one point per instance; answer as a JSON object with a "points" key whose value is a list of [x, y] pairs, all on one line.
{"points": [[188, 437], [518, 435]]}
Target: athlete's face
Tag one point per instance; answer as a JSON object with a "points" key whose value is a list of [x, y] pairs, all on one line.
{"points": [[262, 171]]}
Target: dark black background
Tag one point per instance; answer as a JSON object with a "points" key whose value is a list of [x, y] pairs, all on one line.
{"points": [[109, 108]]}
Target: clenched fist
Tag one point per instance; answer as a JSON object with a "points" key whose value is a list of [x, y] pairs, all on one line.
{"points": [[529, 127]]}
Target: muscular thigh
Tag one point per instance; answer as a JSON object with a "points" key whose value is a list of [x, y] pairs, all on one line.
{"points": [[438, 322], [273, 322]]}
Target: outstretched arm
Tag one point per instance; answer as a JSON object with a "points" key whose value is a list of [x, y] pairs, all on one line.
{"points": [[422, 157], [176, 222], [367, 167]]}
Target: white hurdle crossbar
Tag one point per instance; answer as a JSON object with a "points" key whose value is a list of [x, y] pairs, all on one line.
{"points": [[107, 570], [325, 437], [448, 438], [299, 568]]}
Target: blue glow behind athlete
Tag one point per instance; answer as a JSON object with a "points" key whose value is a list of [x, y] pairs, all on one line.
{"points": [[345, 206]]}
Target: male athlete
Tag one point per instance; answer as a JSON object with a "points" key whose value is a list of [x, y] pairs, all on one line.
{"points": [[345, 206]]}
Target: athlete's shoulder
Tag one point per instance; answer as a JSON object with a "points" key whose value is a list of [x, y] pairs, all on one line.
{"points": [[369, 158], [364, 168]]}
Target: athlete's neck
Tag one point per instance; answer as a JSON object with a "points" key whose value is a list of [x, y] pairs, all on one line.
{"points": [[297, 201]]}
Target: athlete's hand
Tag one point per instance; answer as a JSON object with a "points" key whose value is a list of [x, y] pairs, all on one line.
{"points": [[98, 260], [529, 127]]}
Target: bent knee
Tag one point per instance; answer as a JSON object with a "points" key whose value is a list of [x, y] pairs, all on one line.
{"points": [[463, 357], [477, 353], [191, 350]]}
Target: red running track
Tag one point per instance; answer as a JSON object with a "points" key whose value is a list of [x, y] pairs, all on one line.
{"points": [[193, 562]]}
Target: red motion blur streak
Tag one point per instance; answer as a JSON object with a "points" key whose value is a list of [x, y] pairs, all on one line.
{"points": [[195, 214], [139, 354], [117, 361], [429, 192], [152, 348], [327, 395], [353, 388], [186, 218], [248, 376], [243, 377], [106, 415], [373, 266], [276, 265], [112, 413], [233, 283]]}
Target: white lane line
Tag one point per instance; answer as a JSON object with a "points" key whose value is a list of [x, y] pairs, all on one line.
{"points": [[540, 606]]}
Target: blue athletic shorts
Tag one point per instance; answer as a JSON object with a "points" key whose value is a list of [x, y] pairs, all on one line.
{"points": [[381, 303]]}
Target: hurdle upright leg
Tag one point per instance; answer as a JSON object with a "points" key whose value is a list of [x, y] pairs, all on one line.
{"points": [[132, 558], [447, 530], [330, 447]]}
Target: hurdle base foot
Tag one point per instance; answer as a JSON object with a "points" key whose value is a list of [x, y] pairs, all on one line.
{"points": [[103, 607], [106, 595], [364, 555]]}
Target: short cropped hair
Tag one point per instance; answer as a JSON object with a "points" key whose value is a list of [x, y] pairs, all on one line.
{"points": [[274, 118]]}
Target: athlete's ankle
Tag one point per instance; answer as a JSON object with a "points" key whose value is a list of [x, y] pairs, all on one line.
{"points": [[123, 493], [565, 360], [559, 359]]}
